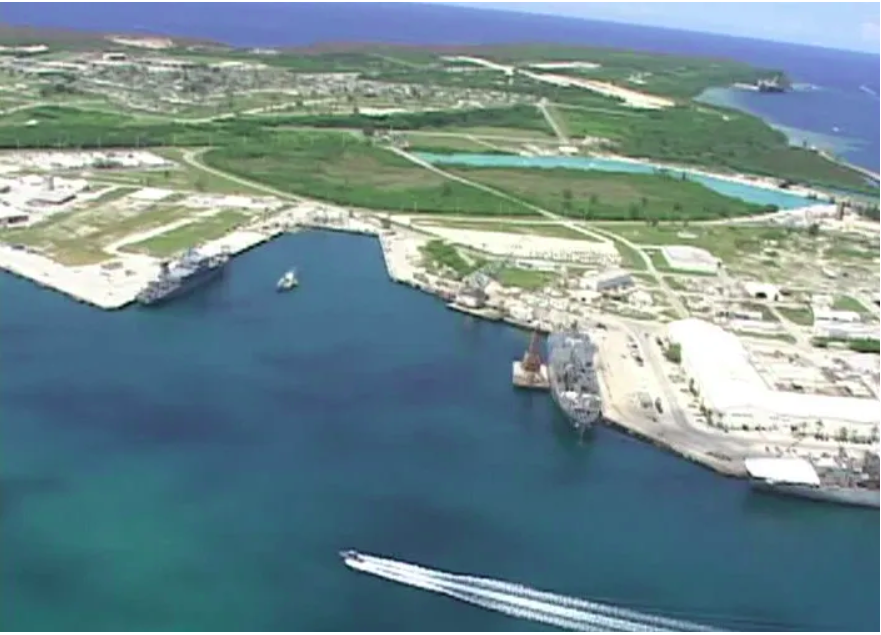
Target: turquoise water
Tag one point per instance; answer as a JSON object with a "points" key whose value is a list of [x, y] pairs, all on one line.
{"points": [[749, 193], [197, 467]]}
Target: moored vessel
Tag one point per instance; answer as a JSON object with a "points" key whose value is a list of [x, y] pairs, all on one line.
{"points": [[839, 480], [572, 377], [179, 277]]}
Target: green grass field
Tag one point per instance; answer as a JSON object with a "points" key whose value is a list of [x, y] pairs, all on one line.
{"points": [[348, 171], [609, 196], [524, 278], [847, 303], [803, 316], [191, 235]]}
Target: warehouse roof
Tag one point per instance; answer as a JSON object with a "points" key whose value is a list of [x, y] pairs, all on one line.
{"points": [[729, 381]]}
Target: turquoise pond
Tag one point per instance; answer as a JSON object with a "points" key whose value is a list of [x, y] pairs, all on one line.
{"points": [[749, 193]]}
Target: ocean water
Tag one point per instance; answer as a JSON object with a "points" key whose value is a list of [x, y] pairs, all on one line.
{"points": [[198, 467], [836, 104], [743, 191]]}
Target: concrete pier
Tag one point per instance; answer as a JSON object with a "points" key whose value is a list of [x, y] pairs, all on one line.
{"points": [[526, 378]]}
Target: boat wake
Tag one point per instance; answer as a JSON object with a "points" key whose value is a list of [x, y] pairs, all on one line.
{"points": [[518, 600]]}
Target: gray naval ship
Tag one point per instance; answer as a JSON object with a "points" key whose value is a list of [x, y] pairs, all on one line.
{"points": [[573, 378], [179, 277], [840, 479]]}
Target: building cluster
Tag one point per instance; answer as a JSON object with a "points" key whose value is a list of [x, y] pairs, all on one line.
{"points": [[734, 395], [154, 82]]}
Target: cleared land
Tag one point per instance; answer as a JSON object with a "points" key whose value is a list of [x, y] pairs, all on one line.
{"points": [[550, 230], [609, 196], [185, 237], [82, 236], [348, 171]]}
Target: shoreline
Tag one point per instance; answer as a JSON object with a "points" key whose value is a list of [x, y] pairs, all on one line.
{"points": [[400, 246], [781, 127]]}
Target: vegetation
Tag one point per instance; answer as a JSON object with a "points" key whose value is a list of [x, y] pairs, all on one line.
{"points": [[608, 195], [348, 171], [182, 238], [862, 345], [517, 117], [673, 353], [717, 138], [528, 279], [803, 316], [440, 254], [847, 303]]}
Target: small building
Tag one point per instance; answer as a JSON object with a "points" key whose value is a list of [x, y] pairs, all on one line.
{"points": [[762, 291], [836, 317], [688, 258], [11, 216], [471, 298], [613, 280]]}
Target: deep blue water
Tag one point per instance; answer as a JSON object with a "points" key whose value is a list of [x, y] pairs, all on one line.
{"points": [[847, 84], [199, 466]]}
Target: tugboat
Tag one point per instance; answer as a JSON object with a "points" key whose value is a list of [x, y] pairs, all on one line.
{"points": [[288, 281]]}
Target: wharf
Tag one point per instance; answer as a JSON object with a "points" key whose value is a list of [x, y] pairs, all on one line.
{"points": [[620, 411], [111, 287], [486, 313]]}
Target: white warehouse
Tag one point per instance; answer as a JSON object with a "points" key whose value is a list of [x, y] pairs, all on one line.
{"points": [[732, 390], [608, 280]]}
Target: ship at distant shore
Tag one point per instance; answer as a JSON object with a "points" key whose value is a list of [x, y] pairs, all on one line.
{"points": [[572, 377], [772, 85], [179, 277], [835, 480]]}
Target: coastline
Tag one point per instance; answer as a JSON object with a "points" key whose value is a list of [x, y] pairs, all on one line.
{"points": [[720, 96]]}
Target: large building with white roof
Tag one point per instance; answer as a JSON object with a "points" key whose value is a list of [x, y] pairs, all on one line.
{"points": [[734, 393]]}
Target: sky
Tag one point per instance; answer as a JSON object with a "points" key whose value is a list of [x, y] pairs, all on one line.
{"points": [[851, 26]]}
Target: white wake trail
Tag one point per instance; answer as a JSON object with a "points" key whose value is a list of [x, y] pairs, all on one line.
{"points": [[520, 601]]}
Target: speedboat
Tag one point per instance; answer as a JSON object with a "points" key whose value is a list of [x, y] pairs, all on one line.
{"points": [[350, 555], [288, 281]]}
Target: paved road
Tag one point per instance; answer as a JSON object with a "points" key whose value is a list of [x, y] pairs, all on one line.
{"points": [[543, 108]]}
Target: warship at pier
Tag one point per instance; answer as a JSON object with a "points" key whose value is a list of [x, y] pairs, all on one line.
{"points": [[179, 277], [841, 479], [572, 377]]}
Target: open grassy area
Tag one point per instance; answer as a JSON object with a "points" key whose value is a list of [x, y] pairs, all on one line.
{"points": [[180, 177], [727, 242], [550, 230], [81, 236], [191, 235], [439, 255], [443, 143], [345, 170], [609, 196], [847, 303], [803, 316], [524, 278]]}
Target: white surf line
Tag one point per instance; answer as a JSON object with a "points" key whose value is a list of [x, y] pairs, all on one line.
{"points": [[625, 618], [521, 601], [572, 620]]}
